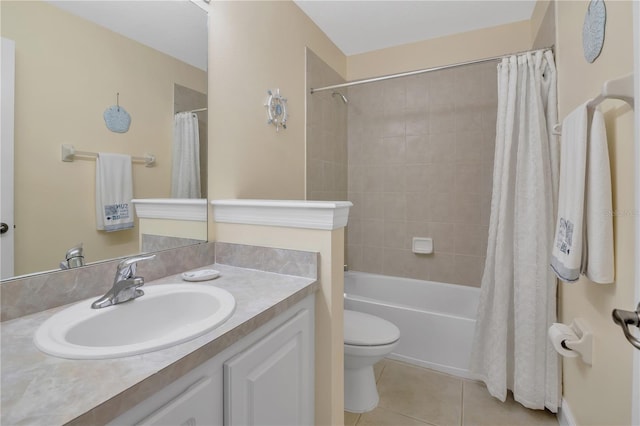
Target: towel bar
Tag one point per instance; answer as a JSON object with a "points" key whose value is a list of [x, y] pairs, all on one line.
{"points": [[69, 153], [618, 88]]}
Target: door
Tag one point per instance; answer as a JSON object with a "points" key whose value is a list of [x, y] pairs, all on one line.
{"points": [[7, 89], [635, 409]]}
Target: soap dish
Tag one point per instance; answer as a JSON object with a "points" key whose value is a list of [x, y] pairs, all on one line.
{"points": [[202, 275]]}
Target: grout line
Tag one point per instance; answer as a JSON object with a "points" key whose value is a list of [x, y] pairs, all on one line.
{"points": [[392, 410], [384, 367], [357, 419], [388, 361], [463, 381]]}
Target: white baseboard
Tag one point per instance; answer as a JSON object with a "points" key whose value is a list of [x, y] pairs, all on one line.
{"points": [[565, 416], [453, 371]]}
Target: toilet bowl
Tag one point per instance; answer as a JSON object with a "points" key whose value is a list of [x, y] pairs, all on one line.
{"points": [[367, 339]]}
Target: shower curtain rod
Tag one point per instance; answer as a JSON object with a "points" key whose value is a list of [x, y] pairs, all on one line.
{"points": [[193, 110], [422, 71]]}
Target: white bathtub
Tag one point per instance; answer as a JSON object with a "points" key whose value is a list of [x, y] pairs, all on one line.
{"points": [[436, 320]]}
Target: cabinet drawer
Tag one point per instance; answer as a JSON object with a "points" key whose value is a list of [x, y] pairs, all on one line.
{"points": [[193, 407]]}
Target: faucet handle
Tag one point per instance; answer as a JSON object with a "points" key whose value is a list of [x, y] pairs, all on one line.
{"points": [[127, 267], [133, 260]]}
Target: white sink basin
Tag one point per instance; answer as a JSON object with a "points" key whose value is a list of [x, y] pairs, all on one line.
{"points": [[166, 315]]}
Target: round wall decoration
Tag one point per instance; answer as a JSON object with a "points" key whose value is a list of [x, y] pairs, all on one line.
{"points": [[593, 30], [276, 109], [117, 118]]}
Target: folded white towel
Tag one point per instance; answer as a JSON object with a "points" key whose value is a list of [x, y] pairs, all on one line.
{"points": [[598, 263], [114, 191], [566, 256], [584, 230]]}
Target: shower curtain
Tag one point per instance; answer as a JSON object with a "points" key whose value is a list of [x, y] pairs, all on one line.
{"points": [[185, 171], [518, 295]]}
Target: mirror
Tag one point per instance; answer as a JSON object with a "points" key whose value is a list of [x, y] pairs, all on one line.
{"points": [[73, 60]]}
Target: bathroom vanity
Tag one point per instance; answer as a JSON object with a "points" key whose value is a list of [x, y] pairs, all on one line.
{"points": [[265, 378], [256, 367]]}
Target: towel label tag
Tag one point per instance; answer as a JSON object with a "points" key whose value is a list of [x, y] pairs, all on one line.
{"points": [[116, 211], [565, 236]]}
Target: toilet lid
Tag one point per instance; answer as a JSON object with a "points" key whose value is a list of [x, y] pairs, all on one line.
{"points": [[362, 329]]}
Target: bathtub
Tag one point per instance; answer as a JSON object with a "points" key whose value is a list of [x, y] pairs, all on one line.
{"points": [[436, 320]]}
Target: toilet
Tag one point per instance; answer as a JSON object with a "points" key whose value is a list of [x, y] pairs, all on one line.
{"points": [[367, 339]]}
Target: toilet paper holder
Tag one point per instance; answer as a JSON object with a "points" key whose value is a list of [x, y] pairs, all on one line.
{"points": [[584, 343]]}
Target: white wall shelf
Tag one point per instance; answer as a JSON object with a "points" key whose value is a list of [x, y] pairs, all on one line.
{"points": [[194, 209], [326, 215]]}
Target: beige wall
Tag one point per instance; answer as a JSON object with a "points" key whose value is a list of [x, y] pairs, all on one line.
{"points": [[601, 394], [452, 49], [257, 46], [67, 73], [543, 25], [254, 47]]}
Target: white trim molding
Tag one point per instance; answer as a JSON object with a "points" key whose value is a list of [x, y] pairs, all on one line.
{"points": [[326, 215], [565, 416], [194, 209]]}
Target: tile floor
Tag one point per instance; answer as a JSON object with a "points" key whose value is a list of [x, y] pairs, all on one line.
{"points": [[415, 396]]}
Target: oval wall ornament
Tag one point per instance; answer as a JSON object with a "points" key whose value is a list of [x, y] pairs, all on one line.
{"points": [[593, 30]]}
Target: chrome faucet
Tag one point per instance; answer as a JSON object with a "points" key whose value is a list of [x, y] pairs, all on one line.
{"points": [[74, 258], [125, 284]]}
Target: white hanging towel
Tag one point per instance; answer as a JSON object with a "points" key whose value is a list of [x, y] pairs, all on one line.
{"points": [[114, 192], [566, 256], [583, 240], [598, 262]]}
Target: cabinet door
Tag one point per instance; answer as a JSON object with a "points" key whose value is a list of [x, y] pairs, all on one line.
{"points": [[196, 406], [271, 383], [193, 400]]}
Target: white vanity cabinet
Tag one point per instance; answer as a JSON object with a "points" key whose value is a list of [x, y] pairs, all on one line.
{"points": [[266, 378]]}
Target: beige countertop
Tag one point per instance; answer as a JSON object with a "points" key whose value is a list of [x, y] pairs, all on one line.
{"points": [[38, 389]]}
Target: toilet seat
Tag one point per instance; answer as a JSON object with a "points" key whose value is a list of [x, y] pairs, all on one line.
{"points": [[362, 329]]}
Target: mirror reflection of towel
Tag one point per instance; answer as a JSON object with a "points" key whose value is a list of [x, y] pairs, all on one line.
{"points": [[114, 191]]}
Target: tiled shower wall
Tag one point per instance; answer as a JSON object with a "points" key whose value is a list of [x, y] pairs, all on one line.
{"points": [[420, 164], [326, 135]]}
